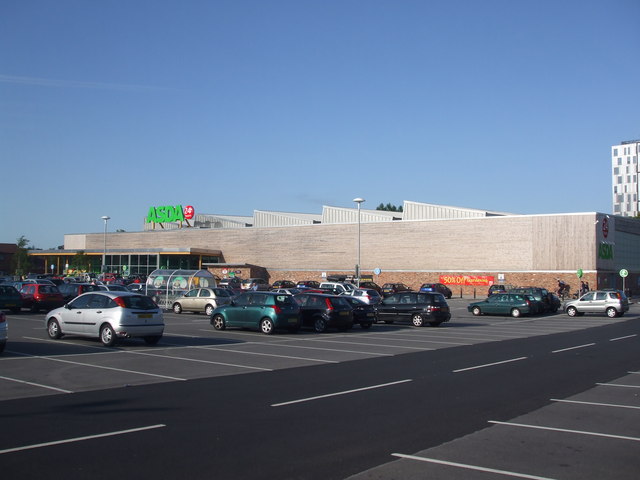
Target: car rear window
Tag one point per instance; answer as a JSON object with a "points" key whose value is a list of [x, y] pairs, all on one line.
{"points": [[339, 302], [284, 300], [48, 289], [139, 302]]}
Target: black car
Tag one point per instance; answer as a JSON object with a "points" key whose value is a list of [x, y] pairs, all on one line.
{"points": [[307, 284], [283, 284], [364, 314], [70, 291], [418, 308], [436, 287], [391, 288], [545, 300], [320, 311]]}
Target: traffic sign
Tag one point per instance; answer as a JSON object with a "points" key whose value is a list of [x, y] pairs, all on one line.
{"points": [[580, 273], [624, 273]]}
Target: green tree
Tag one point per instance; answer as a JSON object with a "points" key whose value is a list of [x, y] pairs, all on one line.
{"points": [[80, 261], [21, 259], [389, 207]]}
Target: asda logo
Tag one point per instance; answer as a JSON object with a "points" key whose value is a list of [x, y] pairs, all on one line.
{"points": [[169, 213]]}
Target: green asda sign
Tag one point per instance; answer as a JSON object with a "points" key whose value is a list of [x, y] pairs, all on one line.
{"points": [[165, 214]]}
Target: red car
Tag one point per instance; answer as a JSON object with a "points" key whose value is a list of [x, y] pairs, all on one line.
{"points": [[41, 297]]}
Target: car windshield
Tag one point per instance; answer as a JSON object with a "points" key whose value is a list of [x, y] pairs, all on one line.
{"points": [[339, 302], [139, 302]]}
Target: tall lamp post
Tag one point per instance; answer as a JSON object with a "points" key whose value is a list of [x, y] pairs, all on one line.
{"points": [[104, 254], [358, 201]]}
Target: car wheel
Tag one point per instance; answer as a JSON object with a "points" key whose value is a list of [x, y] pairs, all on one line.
{"points": [[177, 308], [218, 322], [152, 340], [53, 329], [515, 312], [107, 336], [365, 325], [612, 312], [319, 325], [266, 326], [572, 311], [209, 310], [476, 311], [417, 320]]}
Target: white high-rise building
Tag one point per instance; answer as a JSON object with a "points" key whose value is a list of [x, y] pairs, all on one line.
{"points": [[624, 167]]}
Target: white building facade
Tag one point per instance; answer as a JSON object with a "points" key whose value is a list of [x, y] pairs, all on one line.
{"points": [[624, 167]]}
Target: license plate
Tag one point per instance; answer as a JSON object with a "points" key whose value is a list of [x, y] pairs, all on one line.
{"points": [[144, 315], [293, 320], [9, 304], [344, 313]]}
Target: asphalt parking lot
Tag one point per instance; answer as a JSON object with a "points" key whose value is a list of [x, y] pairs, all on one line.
{"points": [[34, 365], [594, 434]]}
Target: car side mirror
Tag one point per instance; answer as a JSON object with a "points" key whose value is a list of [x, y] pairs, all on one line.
{"points": [[68, 306]]}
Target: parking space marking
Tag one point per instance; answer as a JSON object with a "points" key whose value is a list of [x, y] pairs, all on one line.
{"points": [[573, 348], [490, 364], [372, 345], [268, 354], [622, 338], [36, 384], [170, 357], [378, 337], [346, 392], [330, 349], [617, 385], [79, 439], [471, 467], [565, 430], [107, 368], [595, 404]]}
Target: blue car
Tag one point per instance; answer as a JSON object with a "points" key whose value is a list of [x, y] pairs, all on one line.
{"points": [[263, 311]]}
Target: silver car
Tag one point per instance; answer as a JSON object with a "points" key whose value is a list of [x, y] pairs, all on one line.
{"points": [[202, 300], [613, 303], [3, 331], [108, 316]]}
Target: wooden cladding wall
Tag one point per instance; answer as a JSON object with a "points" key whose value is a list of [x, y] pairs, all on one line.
{"points": [[510, 243]]}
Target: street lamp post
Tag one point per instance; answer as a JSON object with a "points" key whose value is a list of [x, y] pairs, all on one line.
{"points": [[358, 201], [104, 254]]}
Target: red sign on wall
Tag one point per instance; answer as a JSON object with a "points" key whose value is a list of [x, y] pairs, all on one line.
{"points": [[472, 280]]}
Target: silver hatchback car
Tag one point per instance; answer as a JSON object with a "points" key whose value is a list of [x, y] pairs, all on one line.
{"points": [[108, 316], [613, 303], [202, 300]]}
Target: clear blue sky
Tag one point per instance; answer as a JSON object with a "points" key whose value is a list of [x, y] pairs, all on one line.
{"points": [[112, 106]]}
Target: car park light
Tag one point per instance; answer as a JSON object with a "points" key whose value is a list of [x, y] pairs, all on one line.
{"points": [[329, 305]]}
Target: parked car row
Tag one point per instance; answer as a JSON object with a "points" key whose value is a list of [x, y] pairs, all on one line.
{"points": [[519, 301], [268, 311]]}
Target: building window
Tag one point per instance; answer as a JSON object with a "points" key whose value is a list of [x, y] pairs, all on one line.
{"points": [[615, 152]]}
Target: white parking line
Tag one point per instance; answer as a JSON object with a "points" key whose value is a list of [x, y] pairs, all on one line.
{"points": [[51, 359], [36, 385], [489, 364], [372, 345], [80, 439], [574, 348], [170, 357], [595, 404], [617, 385], [470, 467], [564, 430], [340, 393], [268, 354], [622, 338]]}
